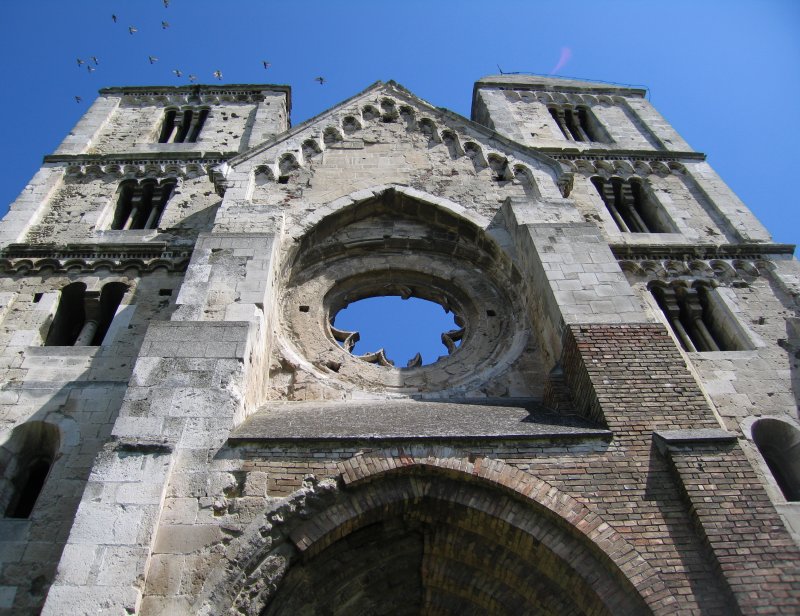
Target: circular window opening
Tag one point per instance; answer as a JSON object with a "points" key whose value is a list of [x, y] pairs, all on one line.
{"points": [[393, 331]]}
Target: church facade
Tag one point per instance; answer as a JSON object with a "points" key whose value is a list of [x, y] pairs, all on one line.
{"points": [[612, 427]]}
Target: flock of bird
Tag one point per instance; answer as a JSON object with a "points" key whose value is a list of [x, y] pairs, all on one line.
{"points": [[93, 61]]}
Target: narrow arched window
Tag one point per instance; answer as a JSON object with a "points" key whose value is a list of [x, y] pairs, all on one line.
{"points": [[779, 444], [83, 317], [70, 316], [699, 318], [182, 126], [27, 458], [631, 205], [578, 123], [140, 204]]}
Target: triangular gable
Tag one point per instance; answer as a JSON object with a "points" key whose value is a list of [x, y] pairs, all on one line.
{"points": [[339, 128]]}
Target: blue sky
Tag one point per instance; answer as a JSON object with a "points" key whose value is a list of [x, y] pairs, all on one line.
{"points": [[724, 73]]}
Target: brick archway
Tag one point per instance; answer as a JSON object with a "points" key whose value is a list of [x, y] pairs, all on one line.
{"points": [[562, 559]]}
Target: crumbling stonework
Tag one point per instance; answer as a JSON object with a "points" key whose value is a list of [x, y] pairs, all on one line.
{"points": [[610, 430]]}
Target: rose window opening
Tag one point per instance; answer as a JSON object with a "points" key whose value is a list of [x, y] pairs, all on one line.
{"points": [[397, 330]]}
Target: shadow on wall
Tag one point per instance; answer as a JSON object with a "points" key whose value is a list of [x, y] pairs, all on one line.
{"points": [[702, 573]]}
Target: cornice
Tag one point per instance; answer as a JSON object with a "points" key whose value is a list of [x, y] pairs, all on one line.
{"points": [[608, 154], [198, 93], [542, 83], [139, 165], [137, 157], [87, 258], [695, 251]]}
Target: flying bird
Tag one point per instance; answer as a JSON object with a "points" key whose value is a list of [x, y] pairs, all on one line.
{"points": [[132, 29], [320, 80], [79, 61], [114, 18], [192, 77], [218, 75], [78, 99], [166, 4], [178, 73], [152, 59], [95, 60], [266, 64], [164, 25], [91, 69]]}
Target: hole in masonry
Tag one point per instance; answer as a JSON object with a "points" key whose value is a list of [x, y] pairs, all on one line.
{"points": [[303, 308], [490, 313], [165, 292], [401, 327], [283, 179], [37, 297]]}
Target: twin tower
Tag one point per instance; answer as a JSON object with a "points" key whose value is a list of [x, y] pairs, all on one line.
{"points": [[612, 427]]}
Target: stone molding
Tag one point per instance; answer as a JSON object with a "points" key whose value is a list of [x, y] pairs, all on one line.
{"points": [[26, 259], [208, 94], [729, 270], [602, 154], [139, 166]]}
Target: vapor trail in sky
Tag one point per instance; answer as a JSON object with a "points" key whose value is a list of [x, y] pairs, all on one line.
{"points": [[566, 54]]}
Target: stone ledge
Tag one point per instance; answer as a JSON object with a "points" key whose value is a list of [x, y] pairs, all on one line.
{"points": [[408, 419], [665, 439], [699, 251], [143, 445], [63, 351], [206, 156]]}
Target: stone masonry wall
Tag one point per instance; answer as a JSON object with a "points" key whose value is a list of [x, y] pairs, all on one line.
{"points": [[82, 208], [77, 389], [129, 120], [528, 120]]}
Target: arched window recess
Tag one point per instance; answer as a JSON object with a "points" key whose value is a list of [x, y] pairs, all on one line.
{"points": [[778, 443], [27, 457], [83, 317]]}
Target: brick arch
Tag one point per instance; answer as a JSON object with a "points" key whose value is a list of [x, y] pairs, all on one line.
{"points": [[383, 485], [374, 466]]}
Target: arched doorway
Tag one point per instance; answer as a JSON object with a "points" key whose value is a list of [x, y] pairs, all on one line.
{"points": [[428, 538], [440, 547]]}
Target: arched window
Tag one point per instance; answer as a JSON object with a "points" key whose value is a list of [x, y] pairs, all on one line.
{"points": [[578, 123], [779, 444], [632, 206], [70, 316], [26, 457], [182, 125], [83, 317], [141, 203], [699, 318]]}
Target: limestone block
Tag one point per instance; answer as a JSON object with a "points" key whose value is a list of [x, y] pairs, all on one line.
{"points": [[91, 600], [185, 539], [164, 576], [76, 563], [110, 524], [116, 564]]}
